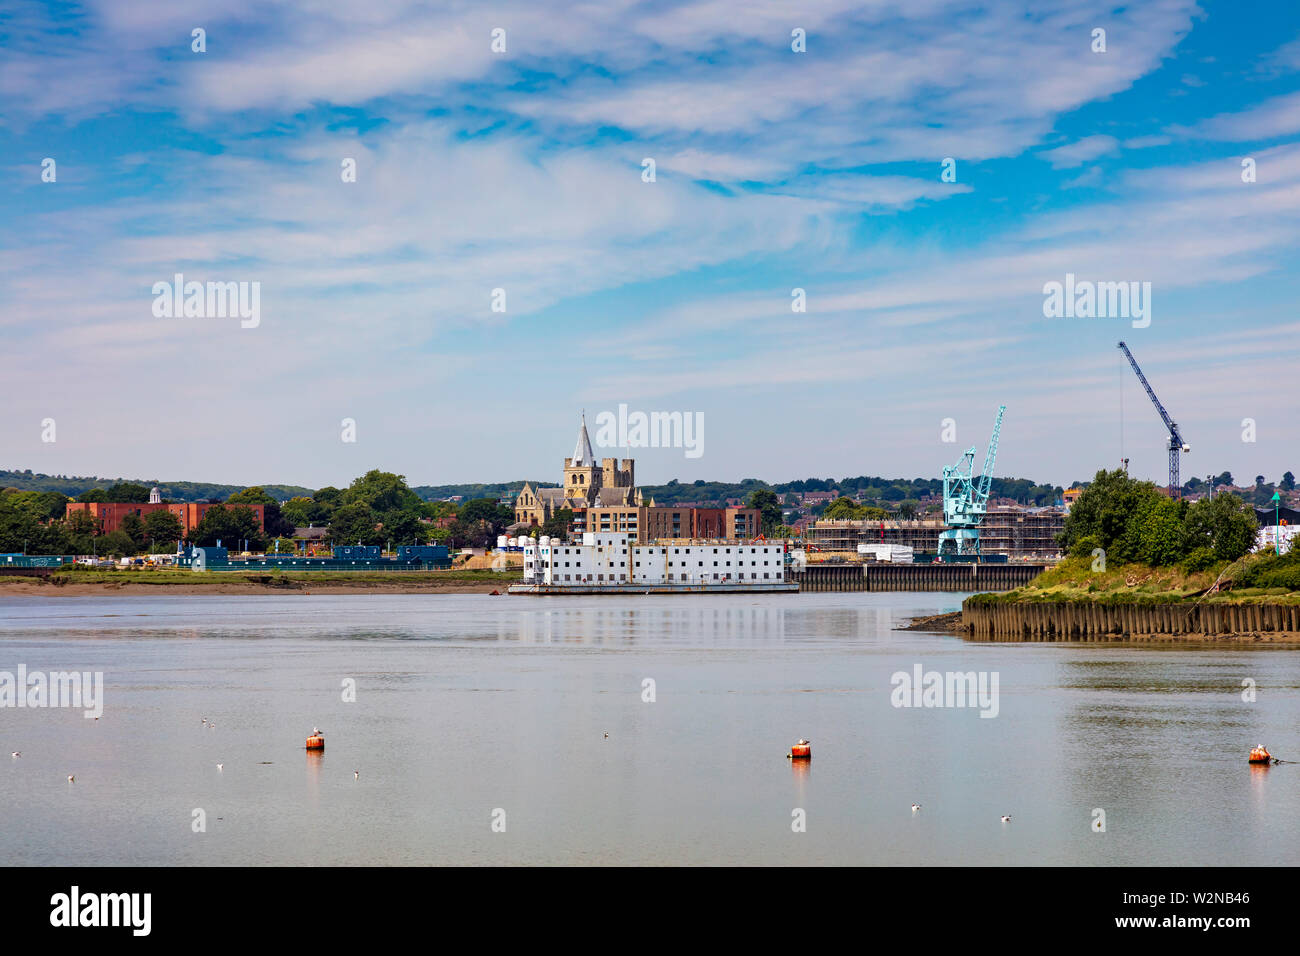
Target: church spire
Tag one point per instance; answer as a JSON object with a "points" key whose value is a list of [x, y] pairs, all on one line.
{"points": [[582, 456]]}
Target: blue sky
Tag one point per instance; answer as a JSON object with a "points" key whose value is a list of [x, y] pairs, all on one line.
{"points": [[522, 171]]}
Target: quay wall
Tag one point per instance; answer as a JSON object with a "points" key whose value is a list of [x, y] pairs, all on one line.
{"points": [[1080, 621]]}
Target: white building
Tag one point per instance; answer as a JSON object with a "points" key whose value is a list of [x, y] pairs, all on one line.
{"points": [[1273, 536], [613, 559]]}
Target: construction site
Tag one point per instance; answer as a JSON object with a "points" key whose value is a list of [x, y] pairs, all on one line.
{"points": [[970, 529]]}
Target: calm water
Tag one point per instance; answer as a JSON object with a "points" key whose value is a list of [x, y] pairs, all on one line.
{"points": [[470, 703]]}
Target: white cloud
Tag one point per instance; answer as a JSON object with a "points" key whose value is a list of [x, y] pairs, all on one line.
{"points": [[1080, 152]]}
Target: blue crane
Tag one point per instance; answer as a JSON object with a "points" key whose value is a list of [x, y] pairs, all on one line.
{"points": [[966, 498], [1176, 443]]}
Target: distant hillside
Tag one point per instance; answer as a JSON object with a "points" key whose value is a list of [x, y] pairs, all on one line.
{"points": [[885, 490], [73, 485], [469, 492]]}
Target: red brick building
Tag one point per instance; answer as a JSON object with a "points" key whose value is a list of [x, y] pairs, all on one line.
{"points": [[108, 515]]}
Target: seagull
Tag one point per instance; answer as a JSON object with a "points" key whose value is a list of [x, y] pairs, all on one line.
{"points": [[315, 731], [915, 807], [1006, 819], [15, 755], [220, 765], [607, 736], [356, 774], [212, 726], [71, 778]]}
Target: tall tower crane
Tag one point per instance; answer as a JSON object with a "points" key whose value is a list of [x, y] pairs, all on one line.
{"points": [[966, 498], [1176, 443]]}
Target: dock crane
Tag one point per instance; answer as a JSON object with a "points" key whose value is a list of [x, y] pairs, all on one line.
{"points": [[1176, 443], [965, 498]]}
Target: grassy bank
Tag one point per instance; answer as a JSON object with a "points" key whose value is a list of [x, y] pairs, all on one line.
{"points": [[1074, 580]]}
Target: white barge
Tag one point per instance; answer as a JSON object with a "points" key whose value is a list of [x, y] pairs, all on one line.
{"points": [[606, 563]]}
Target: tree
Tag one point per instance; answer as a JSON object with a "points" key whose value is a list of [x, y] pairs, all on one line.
{"points": [[117, 544], [329, 496], [275, 523], [230, 525], [1259, 480], [382, 491], [907, 509], [301, 512], [127, 492], [1110, 509], [769, 508], [92, 494], [558, 524], [163, 527], [403, 527], [254, 495], [841, 509], [1225, 524], [133, 527], [1288, 482], [22, 530], [1223, 478], [281, 545], [354, 524]]}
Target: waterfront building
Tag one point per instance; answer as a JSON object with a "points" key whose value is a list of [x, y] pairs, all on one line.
{"points": [[108, 515], [604, 499], [610, 484], [617, 559]]}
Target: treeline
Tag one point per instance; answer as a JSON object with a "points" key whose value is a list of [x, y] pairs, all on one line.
{"points": [[1133, 522], [73, 486], [470, 492], [378, 508], [882, 492]]}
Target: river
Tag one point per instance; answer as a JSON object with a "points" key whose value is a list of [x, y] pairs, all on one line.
{"points": [[478, 730]]}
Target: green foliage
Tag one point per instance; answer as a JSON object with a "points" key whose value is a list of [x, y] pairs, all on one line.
{"points": [[1085, 546], [231, 525], [79, 487], [355, 524], [125, 492], [845, 509], [115, 544], [480, 521], [557, 525], [1270, 571], [1201, 559], [133, 525], [1226, 524], [254, 495], [403, 527], [283, 545], [1288, 482], [301, 512], [382, 491], [769, 508], [432, 493], [163, 526], [1134, 522]]}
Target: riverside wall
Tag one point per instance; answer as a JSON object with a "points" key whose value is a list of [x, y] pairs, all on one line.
{"points": [[1089, 621]]}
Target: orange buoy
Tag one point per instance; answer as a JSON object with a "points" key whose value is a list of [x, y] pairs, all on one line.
{"points": [[801, 751], [1260, 754], [316, 741]]}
